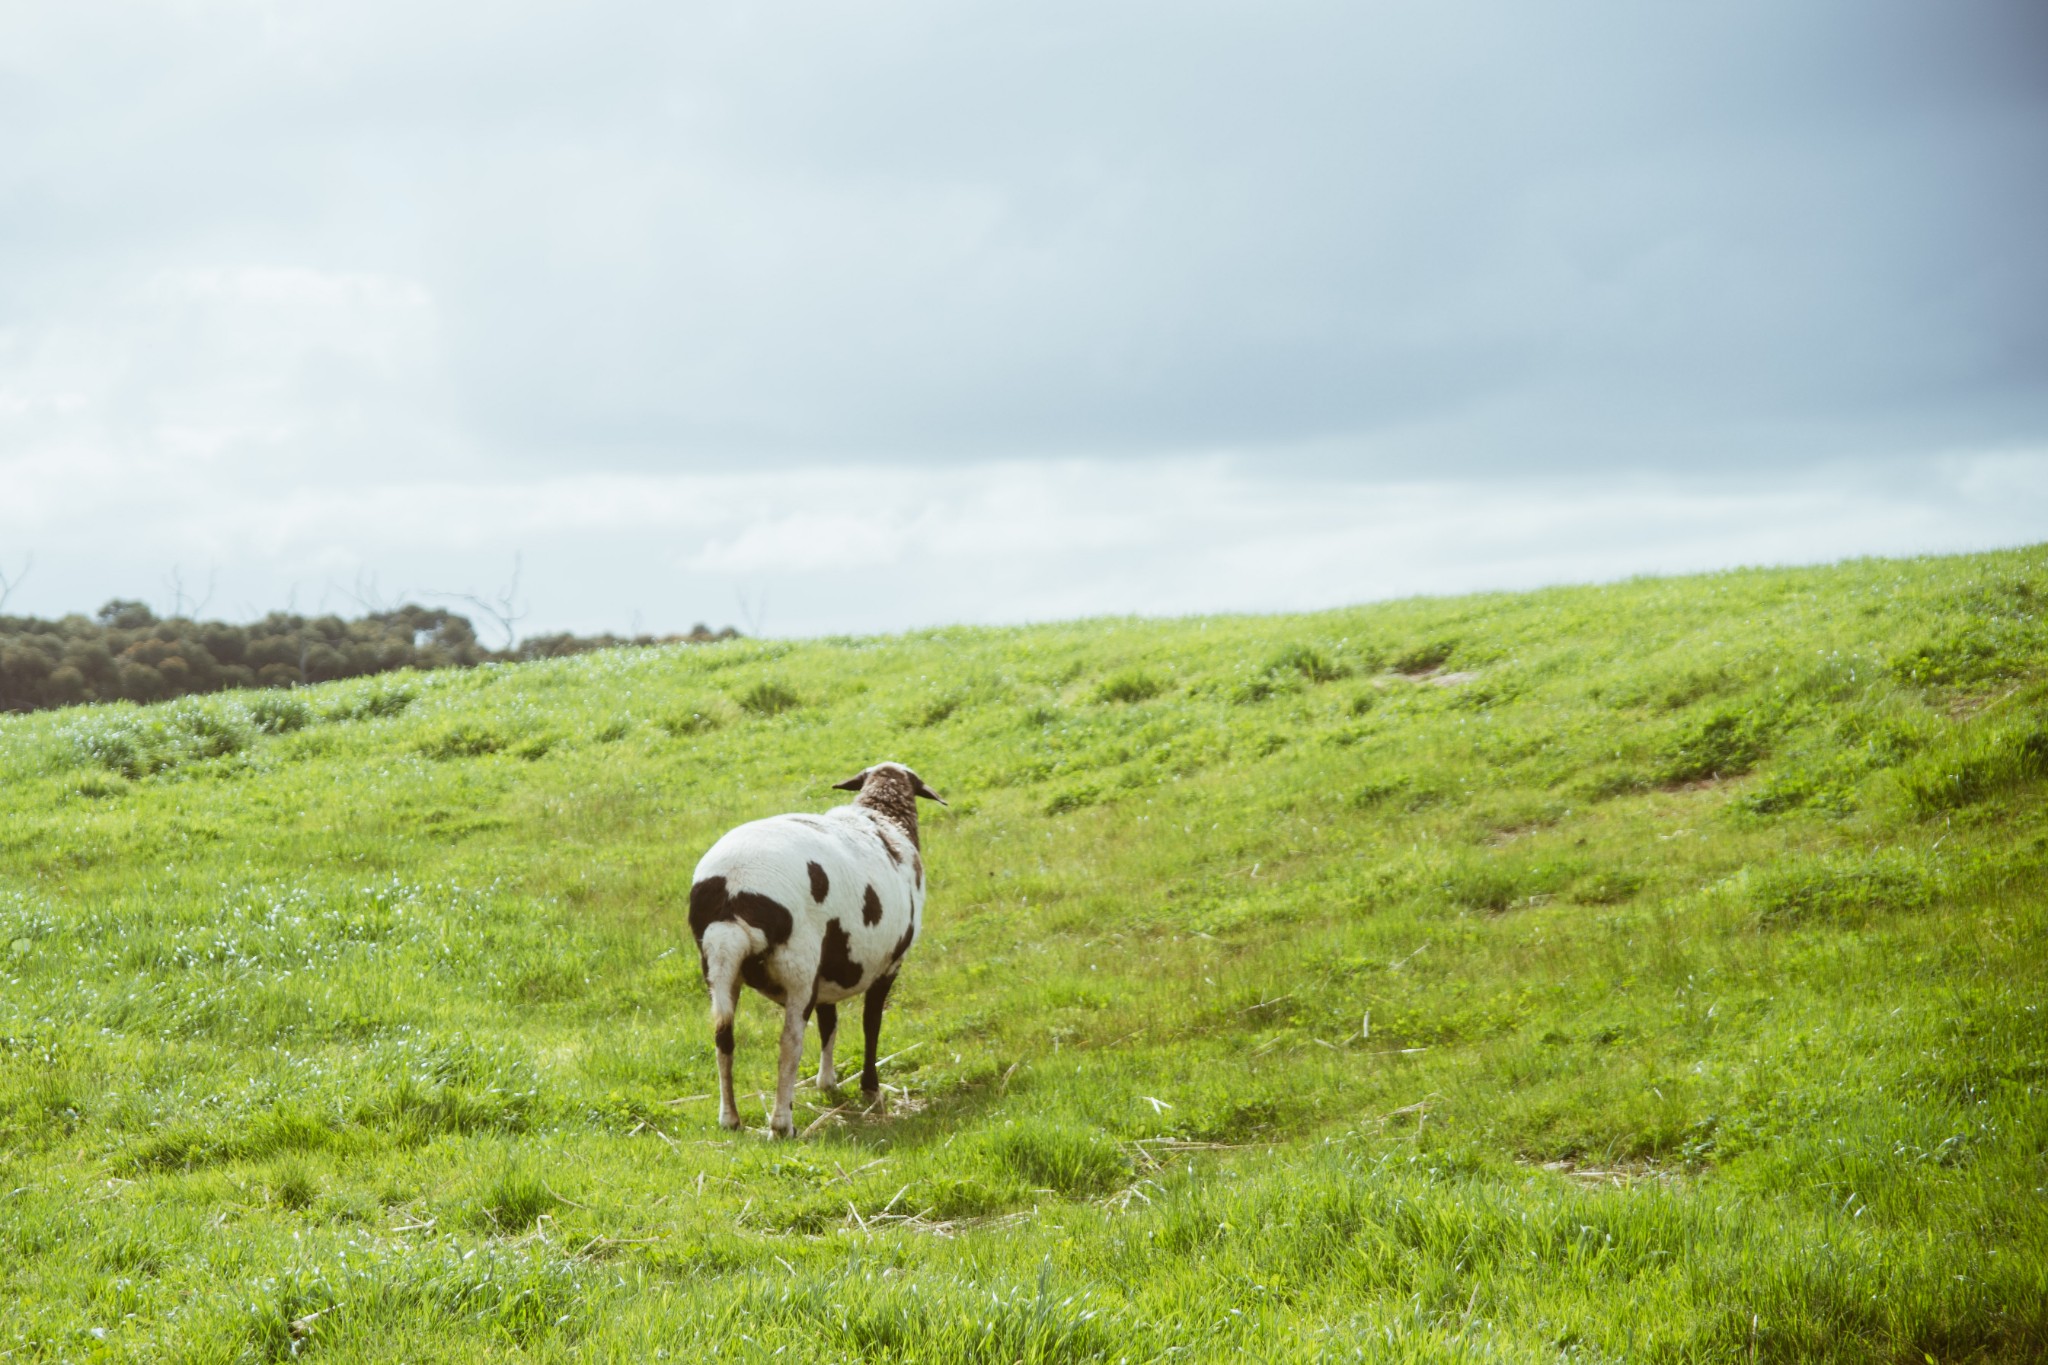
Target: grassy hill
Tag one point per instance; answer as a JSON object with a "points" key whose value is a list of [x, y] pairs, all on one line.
{"points": [[1646, 972]]}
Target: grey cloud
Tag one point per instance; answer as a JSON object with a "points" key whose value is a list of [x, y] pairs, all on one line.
{"points": [[1364, 238]]}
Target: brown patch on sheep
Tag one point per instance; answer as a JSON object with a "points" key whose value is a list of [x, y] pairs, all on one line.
{"points": [[754, 971], [821, 885], [903, 944], [828, 1023], [871, 908], [835, 962], [711, 901]]}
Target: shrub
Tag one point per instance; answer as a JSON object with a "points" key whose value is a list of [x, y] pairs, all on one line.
{"points": [[1065, 1158], [681, 724], [1378, 793], [139, 745], [538, 746], [545, 982], [769, 698], [514, 1201], [371, 704], [113, 744], [937, 709], [1789, 791], [1424, 657], [1822, 777], [279, 713], [1684, 688], [1260, 688], [1072, 799], [292, 1185], [1400, 791], [465, 739], [1800, 891], [1131, 685], [1310, 662], [98, 785], [1880, 741], [1964, 775], [952, 1196], [415, 1111], [1483, 886], [207, 733], [1980, 651], [1606, 886], [1726, 744], [1494, 883]]}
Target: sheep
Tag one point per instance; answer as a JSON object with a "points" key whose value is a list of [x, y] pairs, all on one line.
{"points": [[811, 910]]}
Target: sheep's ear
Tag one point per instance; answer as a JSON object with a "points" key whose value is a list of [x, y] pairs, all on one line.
{"points": [[918, 788], [852, 784]]}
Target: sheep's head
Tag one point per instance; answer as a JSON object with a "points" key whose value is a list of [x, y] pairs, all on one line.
{"points": [[886, 780], [891, 790]]}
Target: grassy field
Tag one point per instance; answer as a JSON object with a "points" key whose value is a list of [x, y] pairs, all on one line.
{"points": [[1646, 972]]}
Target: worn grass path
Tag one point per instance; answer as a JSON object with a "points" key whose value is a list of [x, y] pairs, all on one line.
{"points": [[1646, 972]]}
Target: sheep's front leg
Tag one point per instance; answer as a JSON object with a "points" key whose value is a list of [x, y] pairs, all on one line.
{"points": [[794, 1016], [828, 1033]]}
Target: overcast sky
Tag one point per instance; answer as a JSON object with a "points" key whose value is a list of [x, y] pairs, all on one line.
{"points": [[893, 314]]}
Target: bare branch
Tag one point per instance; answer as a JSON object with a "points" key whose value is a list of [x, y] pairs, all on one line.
{"points": [[8, 585], [505, 609], [369, 597], [753, 609], [188, 608]]}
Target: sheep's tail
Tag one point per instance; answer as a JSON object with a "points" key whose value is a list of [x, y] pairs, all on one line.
{"points": [[725, 946]]}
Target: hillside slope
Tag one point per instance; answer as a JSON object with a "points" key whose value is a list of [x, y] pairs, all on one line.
{"points": [[1652, 971]]}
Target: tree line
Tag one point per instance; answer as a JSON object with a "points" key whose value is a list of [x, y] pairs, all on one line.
{"points": [[126, 652]]}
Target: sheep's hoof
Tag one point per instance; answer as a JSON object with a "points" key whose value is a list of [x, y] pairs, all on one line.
{"points": [[827, 1082], [782, 1127], [729, 1122]]}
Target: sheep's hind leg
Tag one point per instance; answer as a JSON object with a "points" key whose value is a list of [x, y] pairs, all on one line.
{"points": [[795, 1015], [828, 1033], [871, 1025], [728, 1109], [723, 947]]}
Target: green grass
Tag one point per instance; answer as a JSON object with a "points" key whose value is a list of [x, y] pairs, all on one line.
{"points": [[1647, 972]]}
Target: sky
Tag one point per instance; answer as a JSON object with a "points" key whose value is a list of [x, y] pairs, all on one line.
{"points": [[855, 317]]}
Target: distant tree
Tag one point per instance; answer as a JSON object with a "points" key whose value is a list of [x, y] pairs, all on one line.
{"points": [[561, 645], [123, 614], [125, 651]]}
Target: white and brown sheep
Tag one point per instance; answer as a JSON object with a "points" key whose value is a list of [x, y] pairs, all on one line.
{"points": [[811, 910]]}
